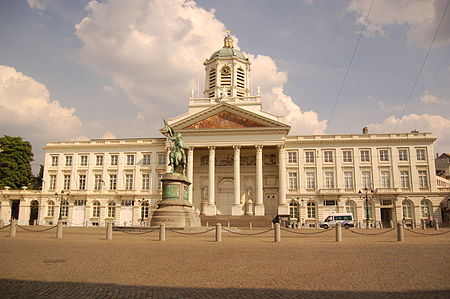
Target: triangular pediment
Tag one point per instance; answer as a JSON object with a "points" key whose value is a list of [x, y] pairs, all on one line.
{"points": [[225, 120]]}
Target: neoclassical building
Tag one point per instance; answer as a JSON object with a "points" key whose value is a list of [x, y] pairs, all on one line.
{"points": [[241, 161]]}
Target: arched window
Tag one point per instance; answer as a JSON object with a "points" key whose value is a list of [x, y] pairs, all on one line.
{"points": [[426, 208], [144, 210], [311, 208], [96, 209], [64, 208], [368, 209], [350, 207], [293, 210], [408, 209], [51, 208], [111, 209]]}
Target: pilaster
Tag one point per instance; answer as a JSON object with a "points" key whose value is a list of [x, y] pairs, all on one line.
{"points": [[259, 206]]}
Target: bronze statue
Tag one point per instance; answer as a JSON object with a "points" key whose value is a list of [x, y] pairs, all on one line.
{"points": [[177, 156]]}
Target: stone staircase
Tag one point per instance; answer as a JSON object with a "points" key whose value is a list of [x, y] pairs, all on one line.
{"points": [[237, 221]]}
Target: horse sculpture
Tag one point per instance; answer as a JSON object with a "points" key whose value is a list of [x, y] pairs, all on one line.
{"points": [[177, 156]]}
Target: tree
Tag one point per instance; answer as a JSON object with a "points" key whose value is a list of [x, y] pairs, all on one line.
{"points": [[15, 158]]}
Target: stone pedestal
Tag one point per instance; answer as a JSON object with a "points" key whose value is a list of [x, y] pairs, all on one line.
{"points": [[259, 210], [174, 210], [249, 205], [236, 210]]}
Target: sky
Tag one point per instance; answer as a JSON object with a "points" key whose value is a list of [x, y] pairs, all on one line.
{"points": [[76, 70]]}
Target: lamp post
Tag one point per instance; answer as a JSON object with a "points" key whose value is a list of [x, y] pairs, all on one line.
{"points": [[365, 193], [143, 203], [61, 200]]}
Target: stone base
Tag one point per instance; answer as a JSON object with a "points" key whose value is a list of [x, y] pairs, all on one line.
{"points": [[210, 210], [259, 210], [236, 210], [283, 210]]}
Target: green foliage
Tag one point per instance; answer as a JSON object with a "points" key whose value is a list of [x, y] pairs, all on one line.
{"points": [[15, 158], [36, 180]]}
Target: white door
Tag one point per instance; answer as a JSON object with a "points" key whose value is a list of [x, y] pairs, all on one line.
{"points": [[78, 215], [126, 215]]}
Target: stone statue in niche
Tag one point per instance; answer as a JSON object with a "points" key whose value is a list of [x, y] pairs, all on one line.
{"points": [[270, 159], [204, 194]]}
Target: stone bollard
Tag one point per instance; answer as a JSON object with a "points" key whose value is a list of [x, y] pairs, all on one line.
{"points": [[277, 233], [228, 224], [380, 224], [424, 224], [338, 232], [109, 231], [218, 232], [271, 225], [59, 230], [250, 225], [400, 233], [392, 223], [207, 224], [436, 225], [162, 232], [12, 228]]}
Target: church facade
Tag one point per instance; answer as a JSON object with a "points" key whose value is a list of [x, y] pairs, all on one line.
{"points": [[241, 160]]}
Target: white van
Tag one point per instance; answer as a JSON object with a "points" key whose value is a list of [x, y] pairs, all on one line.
{"points": [[346, 220]]}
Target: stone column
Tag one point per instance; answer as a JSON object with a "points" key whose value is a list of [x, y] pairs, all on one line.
{"points": [[236, 210], [168, 168], [211, 208], [259, 206], [190, 172], [283, 208]]}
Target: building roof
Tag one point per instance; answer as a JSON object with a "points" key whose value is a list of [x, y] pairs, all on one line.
{"points": [[228, 49]]}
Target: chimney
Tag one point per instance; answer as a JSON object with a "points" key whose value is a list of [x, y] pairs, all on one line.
{"points": [[365, 131]]}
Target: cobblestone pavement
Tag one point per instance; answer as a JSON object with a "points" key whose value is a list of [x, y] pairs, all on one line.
{"points": [[84, 265]]}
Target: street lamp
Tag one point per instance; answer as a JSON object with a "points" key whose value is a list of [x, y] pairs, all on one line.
{"points": [[143, 203], [365, 193], [61, 200]]}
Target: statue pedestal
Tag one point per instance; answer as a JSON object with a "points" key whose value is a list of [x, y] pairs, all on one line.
{"points": [[174, 210]]}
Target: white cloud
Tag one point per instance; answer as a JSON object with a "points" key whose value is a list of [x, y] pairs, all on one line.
{"points": [[27, 111], [428, 98], [422, 17], [109, 135], [438, 125], [36, 4], [385, 107], [154, 50]]}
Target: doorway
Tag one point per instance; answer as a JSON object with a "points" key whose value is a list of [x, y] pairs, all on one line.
{"points": [[386, 217], [15, 206], [34, 212]]}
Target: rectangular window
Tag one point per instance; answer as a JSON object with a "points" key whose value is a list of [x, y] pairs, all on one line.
{"points": [[66, 185], [309, 157], [51, 209], [54, 160], [68, 160], [98, 182], [112, 181], [52, 185], [329, 180], [292, 180], [329, 203], [366, 179], [404, 178], [310, 180], [403, 155], [145, 181], [96, 210], [160, 175], [162, 159], [365, 156], [146, 159], [384, 155], [130, 159], [328, 156], [421, 154], [83, 160], [423, 179], [114, 159], [292, 157], [385, 179], [99, 160], [348, 180], [347, 156], [82, 182], [129, 181]]}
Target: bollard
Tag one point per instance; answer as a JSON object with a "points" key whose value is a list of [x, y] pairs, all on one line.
{"points": [[207, 224], [359, 224], [228, 224], [436, 225], [218, 232], [380, 224], [400, 233], [277, 233], [109, 231], [12, 228], [162, 232], [338, 232], [392, 223], [250, 225], [271, 225], [59, 229], [424, 224]]}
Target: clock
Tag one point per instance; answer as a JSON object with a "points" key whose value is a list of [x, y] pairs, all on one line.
{"points": [[226, 70]]}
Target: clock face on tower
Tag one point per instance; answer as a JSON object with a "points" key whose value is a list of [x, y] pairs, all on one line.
{"points": [[226, 70]]}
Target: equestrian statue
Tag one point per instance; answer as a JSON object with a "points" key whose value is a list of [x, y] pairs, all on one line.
{"points": [[177, 156]]}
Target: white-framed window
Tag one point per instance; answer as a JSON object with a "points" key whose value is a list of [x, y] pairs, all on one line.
{"points": [[310, 180], [423, 179], [113, 181], [385, 177], [161, 159], [111, 209], [425, 208], [98, 182], [403, 155], [368, 210], [144, 209], [52, 185], [384, 155], [408, 209], [96, 209], [54, 160], [404, 178], [292, 157], [83, 160], [146, 159], [128, 182], [82, 181], [366, 178], [347, 156], [421, 154], [130, 159], [66, 185], [329, 180], [350, 207], [51, 208], [294, 210], [328, 156], [348, 179], [99, 160], [145, 181], [311, 209], [114, 160], [68, 160], [365, 155], [292, 180], [64, 208], [309, 157]]}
